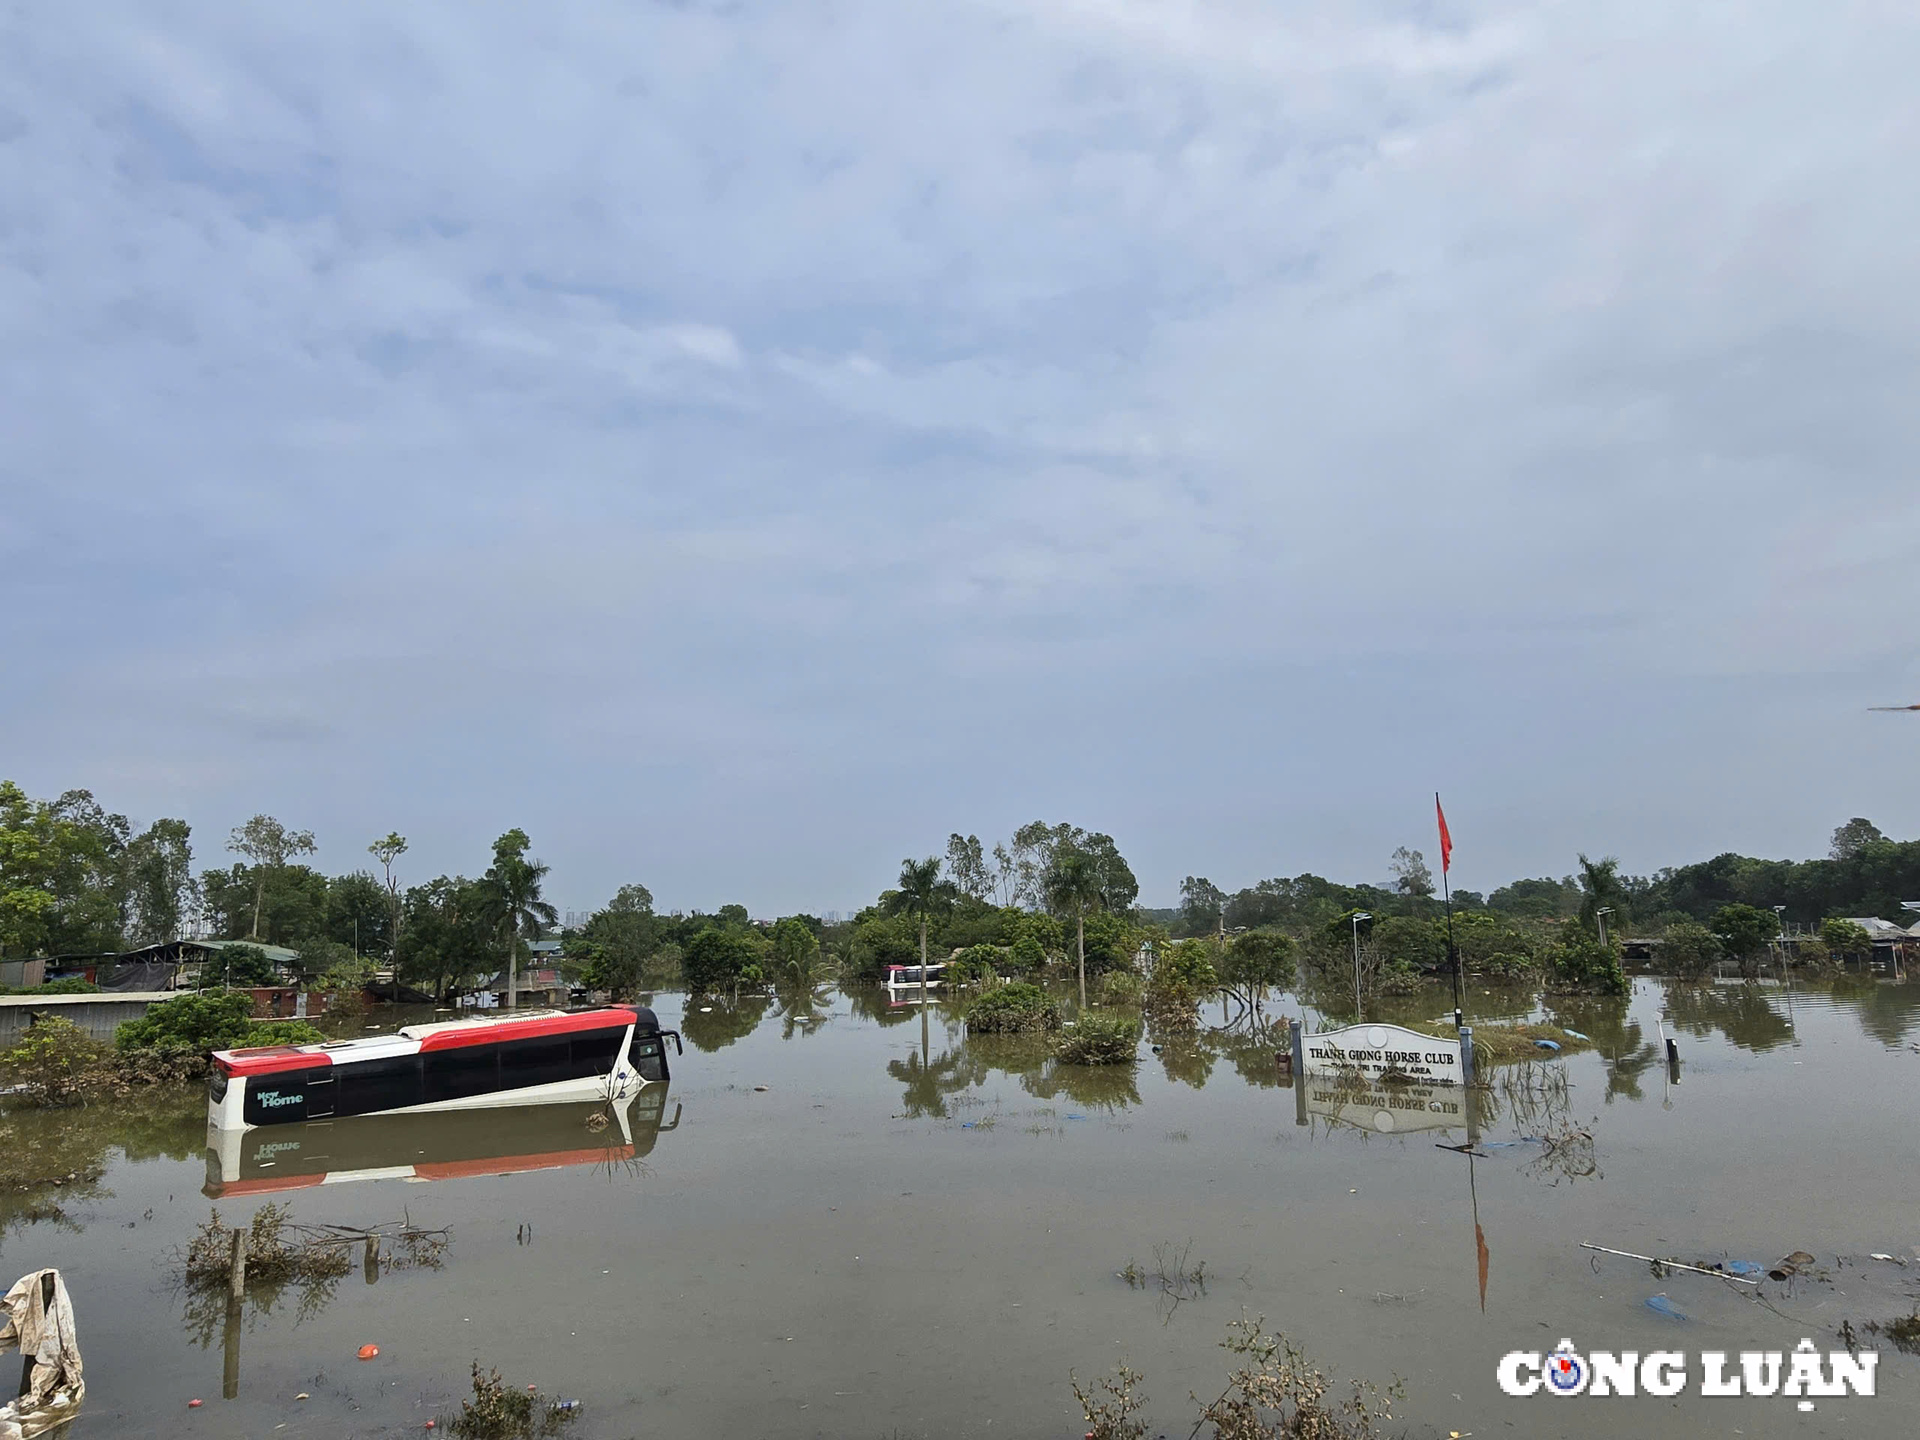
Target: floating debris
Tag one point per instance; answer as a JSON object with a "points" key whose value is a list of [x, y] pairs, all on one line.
{"points": [[1790, 1266]]}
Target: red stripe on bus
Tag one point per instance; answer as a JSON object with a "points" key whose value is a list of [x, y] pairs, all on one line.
{"points": [[496, 1032], [514, 1164], [239, 1062], [262, 1187]]}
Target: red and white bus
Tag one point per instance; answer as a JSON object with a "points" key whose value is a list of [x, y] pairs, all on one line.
{"points": [[539, 1058]]}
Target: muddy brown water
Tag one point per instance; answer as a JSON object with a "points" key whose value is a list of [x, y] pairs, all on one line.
{"points": [[908, 1233]]}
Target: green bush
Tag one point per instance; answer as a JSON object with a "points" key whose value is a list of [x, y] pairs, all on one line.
{"points": [[71, 986], [976, 962], [55, 1060], [1026, 955], [209, 1020], [1578, 962], [1099, 1040], [1014, 1009]]}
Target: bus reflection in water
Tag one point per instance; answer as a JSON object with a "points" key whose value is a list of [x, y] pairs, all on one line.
{"points": [[443, 1145]]}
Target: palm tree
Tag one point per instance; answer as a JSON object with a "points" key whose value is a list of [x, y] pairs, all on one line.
{"points": [[513, 894], [1600, 888], [921, 893], [1074, 881]]}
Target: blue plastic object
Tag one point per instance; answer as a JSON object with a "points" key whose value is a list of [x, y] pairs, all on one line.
{"points": [[1661, 1305], [1546, 1044], [1745, 1267]]}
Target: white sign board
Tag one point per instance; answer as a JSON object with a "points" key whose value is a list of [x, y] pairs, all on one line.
{"points": [[1379, 1052]]}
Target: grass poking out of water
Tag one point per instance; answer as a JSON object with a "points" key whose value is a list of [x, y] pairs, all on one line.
{"points": [[1507, 1044]]}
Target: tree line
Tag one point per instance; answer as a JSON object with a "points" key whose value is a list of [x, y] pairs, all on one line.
{"points": [[76, 879]]}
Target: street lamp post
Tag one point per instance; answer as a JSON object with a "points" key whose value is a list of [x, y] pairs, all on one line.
{"points": [[1358, 916]]}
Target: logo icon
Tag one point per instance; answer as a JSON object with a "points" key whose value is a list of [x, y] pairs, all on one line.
{"points": [[1565, 1372]]}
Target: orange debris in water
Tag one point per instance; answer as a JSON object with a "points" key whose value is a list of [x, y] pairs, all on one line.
{"points": [[367, 1352]]}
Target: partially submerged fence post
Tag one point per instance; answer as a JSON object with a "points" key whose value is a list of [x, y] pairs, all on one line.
{"points": [[237, 1275], [1297, 1049]]}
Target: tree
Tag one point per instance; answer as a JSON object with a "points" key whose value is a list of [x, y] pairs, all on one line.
{"points": [[26, 863], [1853, 837], [386, 852], [293, 907], [1844, 937], [246, 965], [1743, 932], [358, 914], [269, 845], [1202, 905], [1074, 882], [1687, 947], [160, 881], [921, 894], [1600, 888], [620, 940], [1411, 877], [719, 959], [448, 935], [967, 867], [795, 949], [517, 908], [63, 888], [1257, 961]]}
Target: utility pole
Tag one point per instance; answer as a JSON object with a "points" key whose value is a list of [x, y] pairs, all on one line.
{"points": [[1358, 916]]}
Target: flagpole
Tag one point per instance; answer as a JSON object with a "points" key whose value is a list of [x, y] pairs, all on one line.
{"points": [[1446, 890]]}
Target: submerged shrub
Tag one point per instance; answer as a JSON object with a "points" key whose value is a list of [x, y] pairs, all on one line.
{"points": [[56, 1061], [1099, 1040], [1578, 962], [1013, 1009], [499, 1411], [976, 962]]}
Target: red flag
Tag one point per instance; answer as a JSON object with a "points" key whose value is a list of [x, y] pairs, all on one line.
{"points": [[1446, 840]]}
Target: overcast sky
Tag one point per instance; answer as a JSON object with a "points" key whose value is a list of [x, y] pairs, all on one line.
{"points": [[741, 443]]}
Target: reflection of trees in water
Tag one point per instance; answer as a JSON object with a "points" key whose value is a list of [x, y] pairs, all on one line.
{"points": [[725, 1022], [1092, 1087], [928, 1079], [1187, 1059], [1622, 1042], [1744, 1013], [802, 1010], [43, 1146], [871, 1002], [1027, 1058], [1887, 1012]]}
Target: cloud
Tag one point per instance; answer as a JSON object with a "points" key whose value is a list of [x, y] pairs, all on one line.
{"points": [[742, 443]]}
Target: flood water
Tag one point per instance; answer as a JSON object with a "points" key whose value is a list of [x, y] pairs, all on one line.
{"points": [[909, 1233]]}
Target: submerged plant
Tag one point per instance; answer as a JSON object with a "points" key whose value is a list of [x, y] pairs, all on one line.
{"points": [[1099, 1040], [497, 1411], [1109, 1405], [1277, 1393], [1013, 1009]]}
